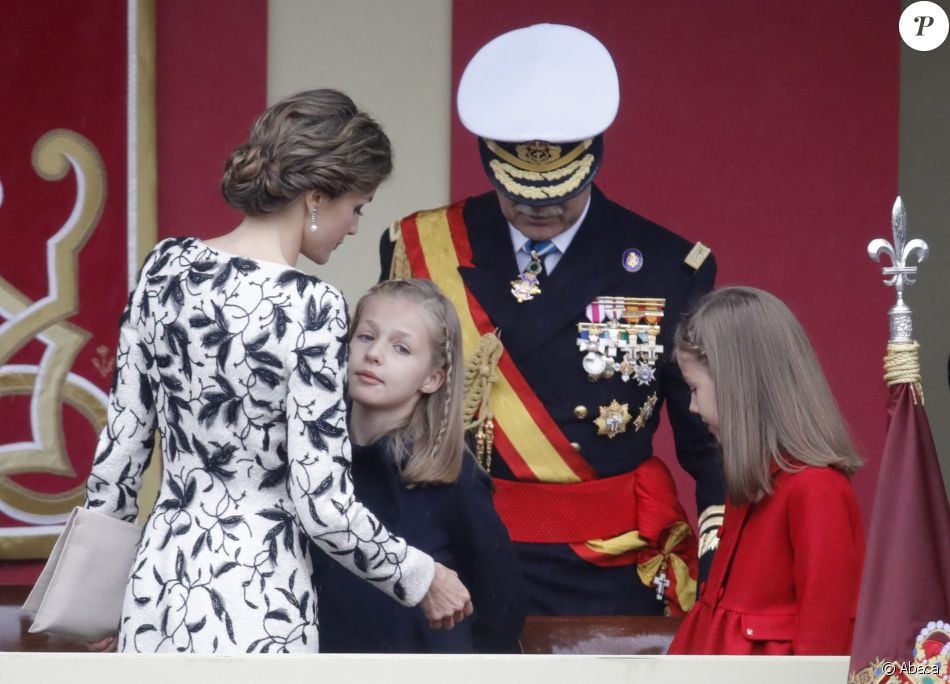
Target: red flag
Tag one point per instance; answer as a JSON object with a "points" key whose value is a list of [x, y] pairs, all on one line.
{"points": [[902, 633]]}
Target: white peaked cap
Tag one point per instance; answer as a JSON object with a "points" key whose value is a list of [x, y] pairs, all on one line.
{"points": [[546, 82]]}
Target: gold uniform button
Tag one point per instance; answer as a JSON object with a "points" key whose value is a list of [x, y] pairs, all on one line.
{"points": [[580, 412], [576, 446]]}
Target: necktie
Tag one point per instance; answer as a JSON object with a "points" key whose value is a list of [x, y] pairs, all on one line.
{"points": [[538, 250]]}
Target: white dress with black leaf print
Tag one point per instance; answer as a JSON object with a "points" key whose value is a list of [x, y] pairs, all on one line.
{"points": [[239, 365]]}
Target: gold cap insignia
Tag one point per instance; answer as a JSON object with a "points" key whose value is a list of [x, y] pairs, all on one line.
{"points": [[538, 152]]}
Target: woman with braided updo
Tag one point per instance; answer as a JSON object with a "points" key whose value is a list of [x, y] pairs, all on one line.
{"points": [[238, 359], [411, 466]]}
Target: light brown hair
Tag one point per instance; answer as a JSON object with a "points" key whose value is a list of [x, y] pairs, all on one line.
{"points": [[314, 140], [773, 400], [430, 447]]}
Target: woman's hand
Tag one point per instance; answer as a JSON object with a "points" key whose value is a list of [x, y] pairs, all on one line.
{"points": [[447, 602], [102, 646]]}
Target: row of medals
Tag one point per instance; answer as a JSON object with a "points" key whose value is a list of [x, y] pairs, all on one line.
{"points": [[620, 337], [628, 347]]}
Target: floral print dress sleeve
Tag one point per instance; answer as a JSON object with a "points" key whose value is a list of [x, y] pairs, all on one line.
{"points": [[125, 444]]}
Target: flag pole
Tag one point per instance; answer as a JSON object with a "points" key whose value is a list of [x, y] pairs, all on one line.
{"points": [[902, 628]]}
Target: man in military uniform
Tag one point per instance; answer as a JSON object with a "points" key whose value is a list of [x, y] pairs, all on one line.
{"points": [[568, 304]]}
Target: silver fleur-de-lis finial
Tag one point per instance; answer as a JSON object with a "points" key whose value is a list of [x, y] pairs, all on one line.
{"points": [[902, 273]]}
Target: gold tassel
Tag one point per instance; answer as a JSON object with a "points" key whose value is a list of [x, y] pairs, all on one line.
{"points": [[480, 372]]}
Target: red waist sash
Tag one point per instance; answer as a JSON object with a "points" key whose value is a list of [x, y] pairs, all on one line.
{"points": [[550, 513]]}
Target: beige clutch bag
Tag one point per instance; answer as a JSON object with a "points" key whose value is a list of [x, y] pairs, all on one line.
{"points": [[80, 591]]}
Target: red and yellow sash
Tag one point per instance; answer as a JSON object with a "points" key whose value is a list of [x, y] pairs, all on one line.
{"points": [[522, 425], [551, 475]]}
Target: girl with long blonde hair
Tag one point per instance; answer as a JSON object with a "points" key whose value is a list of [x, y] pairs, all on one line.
{"points": [[785, 577], [411, 465]]}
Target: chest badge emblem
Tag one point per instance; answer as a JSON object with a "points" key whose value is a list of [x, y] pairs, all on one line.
{"points": [[613, 419], [633, 260]]}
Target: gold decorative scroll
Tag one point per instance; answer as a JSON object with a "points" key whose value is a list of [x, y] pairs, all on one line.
{"points": [[50, 383]]}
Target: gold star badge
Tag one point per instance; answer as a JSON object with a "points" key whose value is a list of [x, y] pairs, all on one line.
{"points": [[613, 419]]}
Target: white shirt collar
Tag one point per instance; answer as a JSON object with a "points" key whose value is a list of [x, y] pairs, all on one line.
{"points": [[561, 241]]}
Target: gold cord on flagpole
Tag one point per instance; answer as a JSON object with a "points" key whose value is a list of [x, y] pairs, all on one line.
{"points": [[902, 366]]}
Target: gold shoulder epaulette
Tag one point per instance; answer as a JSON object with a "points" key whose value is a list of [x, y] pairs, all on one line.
{"points": [[399, 268], [697, 255], [395, 231]]}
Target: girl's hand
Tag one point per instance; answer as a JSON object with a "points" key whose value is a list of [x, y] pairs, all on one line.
{"points": [[447, 602], [104, 645]]}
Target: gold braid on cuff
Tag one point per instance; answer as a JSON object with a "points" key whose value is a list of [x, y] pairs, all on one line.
{"points": [[710, 520]]}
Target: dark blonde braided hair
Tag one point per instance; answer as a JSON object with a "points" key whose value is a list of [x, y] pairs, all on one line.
{"points": [[430, 447]]}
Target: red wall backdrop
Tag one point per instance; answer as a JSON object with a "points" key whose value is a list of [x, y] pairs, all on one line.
{"points": [[766, 129], [211, 84]]}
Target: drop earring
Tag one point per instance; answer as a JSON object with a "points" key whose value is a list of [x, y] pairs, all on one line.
{"points": [[313, 220]]}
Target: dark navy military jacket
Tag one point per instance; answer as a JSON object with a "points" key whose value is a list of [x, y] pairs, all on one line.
{"points": [[541, 337]]}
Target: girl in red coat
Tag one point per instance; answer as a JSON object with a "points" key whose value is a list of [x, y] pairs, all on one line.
{"points": [[784, 580]]}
